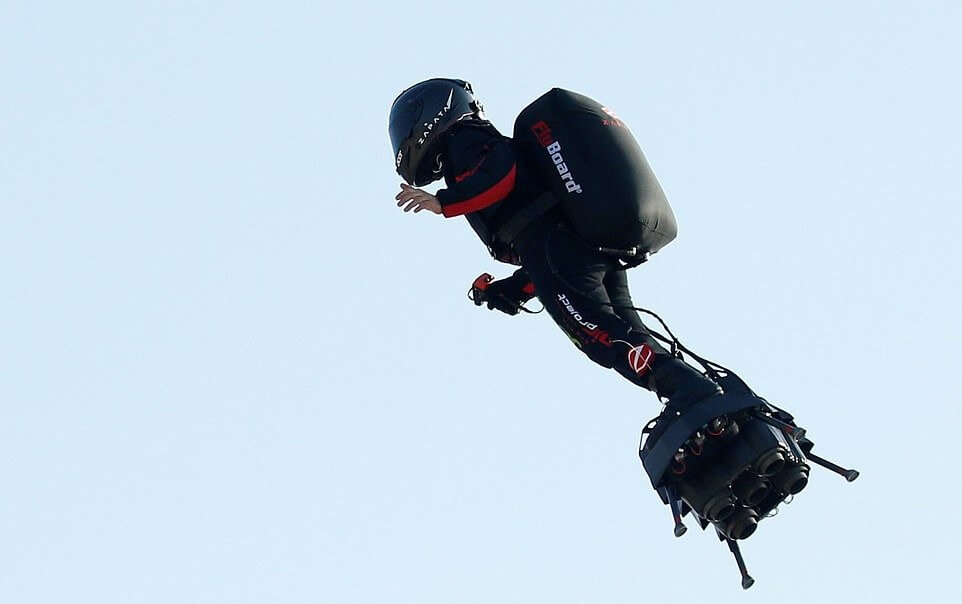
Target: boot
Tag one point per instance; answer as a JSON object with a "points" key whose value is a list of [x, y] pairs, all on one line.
{"points": [[682, 385]]}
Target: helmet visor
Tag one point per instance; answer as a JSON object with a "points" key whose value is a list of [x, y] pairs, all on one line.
{"points": [[404, 115]]}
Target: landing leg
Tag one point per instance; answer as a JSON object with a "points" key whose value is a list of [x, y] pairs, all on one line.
{"points": [[673, 502], [747, 580], [795, 432], [849, 475]]}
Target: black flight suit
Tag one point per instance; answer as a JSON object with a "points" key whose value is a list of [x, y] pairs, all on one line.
{"points": [[585, 291]]}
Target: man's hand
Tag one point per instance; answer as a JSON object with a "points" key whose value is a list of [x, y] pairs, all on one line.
{"points": [[417, 200], [508, 295]]}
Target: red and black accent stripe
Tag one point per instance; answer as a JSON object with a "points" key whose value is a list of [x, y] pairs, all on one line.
{"points": [[491, 196]]}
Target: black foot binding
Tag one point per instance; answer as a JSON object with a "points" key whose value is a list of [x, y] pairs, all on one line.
{"points": [[682, 385]]}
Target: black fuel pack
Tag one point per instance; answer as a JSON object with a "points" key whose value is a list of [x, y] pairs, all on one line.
{"points": [[595, 167]]}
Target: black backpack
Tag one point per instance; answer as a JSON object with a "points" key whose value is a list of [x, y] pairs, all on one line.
{"points": [[593, 165]]}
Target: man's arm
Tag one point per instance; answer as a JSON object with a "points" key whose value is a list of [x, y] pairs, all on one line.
{"points": [[485, 171]]}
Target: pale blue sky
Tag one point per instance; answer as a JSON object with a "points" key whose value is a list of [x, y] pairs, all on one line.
{"points": [[232, 371]]}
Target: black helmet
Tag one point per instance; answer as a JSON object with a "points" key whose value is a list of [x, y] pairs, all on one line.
{"points": [[419, 116]]}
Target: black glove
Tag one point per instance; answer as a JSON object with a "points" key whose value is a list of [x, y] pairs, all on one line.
{"points": [[508, 294]]}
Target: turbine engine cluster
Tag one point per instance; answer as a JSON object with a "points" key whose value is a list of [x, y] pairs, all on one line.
{"points": [[730, 461]]}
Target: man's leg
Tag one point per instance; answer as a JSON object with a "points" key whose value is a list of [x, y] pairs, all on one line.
{"points": [[569, 278], [575, 283], [670, 377]]}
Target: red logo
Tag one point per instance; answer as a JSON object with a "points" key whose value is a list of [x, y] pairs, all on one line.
{"points": [[543, 132], [614, 121], [598, 335], [640, 358]]}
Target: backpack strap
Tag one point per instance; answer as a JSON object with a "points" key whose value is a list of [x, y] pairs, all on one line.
{"points": [[512, 227]]}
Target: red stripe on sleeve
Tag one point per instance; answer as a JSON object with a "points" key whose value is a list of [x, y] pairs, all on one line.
{"points": [[469, 173], [493, 195]]}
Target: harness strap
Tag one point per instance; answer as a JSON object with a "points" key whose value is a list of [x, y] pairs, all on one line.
{"points": [[513, 227]]}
